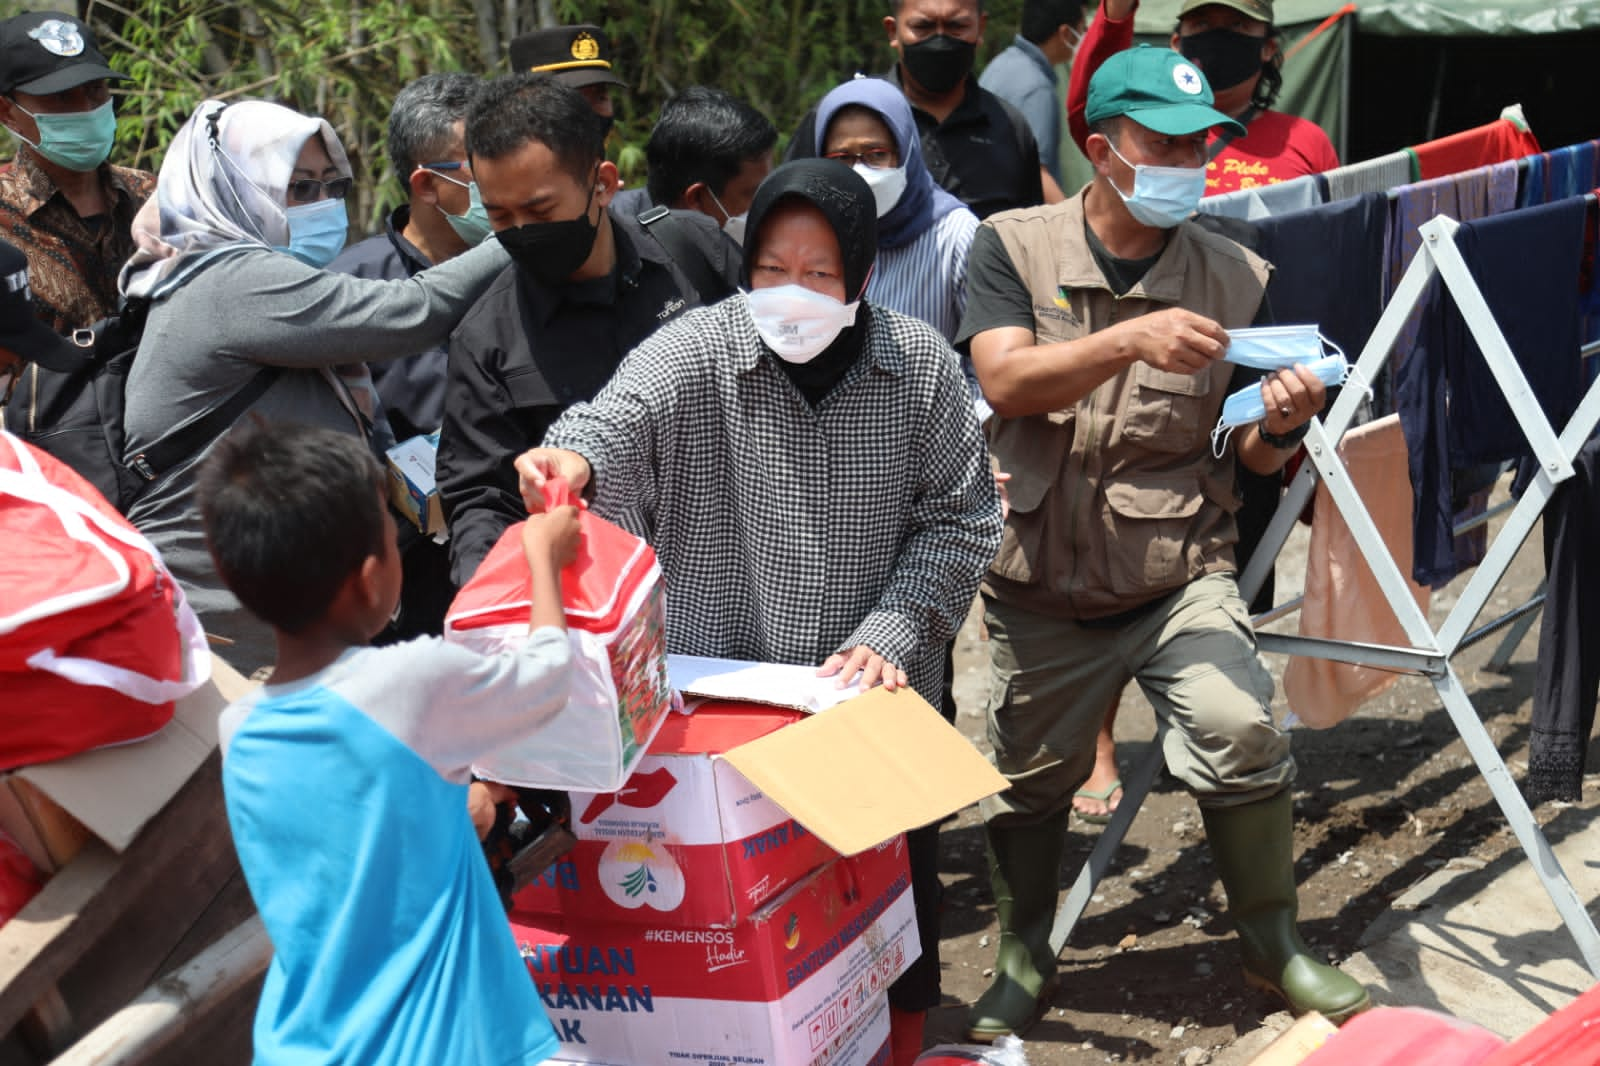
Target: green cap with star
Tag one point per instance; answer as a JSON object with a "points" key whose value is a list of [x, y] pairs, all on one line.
{"points": [[1158, 89]]}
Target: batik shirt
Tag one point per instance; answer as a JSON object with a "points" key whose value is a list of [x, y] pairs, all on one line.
{"points": [[72, 263]]}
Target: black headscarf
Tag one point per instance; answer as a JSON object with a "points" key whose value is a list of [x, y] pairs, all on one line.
{"points": [[846, 202]]}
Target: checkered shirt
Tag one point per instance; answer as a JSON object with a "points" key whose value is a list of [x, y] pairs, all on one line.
{"points": [[787, 532]]}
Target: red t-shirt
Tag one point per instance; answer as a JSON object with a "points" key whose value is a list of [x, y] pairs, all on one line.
{"points": [[1275, 147]]}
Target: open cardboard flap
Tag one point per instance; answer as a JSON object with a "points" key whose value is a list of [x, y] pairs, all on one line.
{"points": [[874, 766], [114, 791]]}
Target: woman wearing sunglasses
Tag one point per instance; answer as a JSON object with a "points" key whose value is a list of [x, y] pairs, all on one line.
{"points": [[232, 249]]}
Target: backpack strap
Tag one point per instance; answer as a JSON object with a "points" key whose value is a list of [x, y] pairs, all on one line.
{"points": [[672, 235], [166, 453], [1226, 137]]}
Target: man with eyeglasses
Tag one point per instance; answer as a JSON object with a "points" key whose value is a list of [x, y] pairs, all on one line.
{"points": [[1097, 328], [978, 148], [441, 218], [61, 202]]}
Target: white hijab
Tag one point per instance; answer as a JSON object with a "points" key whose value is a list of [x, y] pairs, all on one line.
{"points": [[223, 183]]}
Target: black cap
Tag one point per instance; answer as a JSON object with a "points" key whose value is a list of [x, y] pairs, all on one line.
{"points": [[576, 55], [43, 52], [21, 332]]}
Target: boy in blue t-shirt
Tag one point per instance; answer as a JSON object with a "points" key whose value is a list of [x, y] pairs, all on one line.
{"points": [[346, 775]]}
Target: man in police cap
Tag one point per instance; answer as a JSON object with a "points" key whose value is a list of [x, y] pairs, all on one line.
{"points": [[579, 57], [1097, 328], [69, 210]]}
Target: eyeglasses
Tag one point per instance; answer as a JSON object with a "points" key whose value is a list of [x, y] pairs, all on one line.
{"points": [[306, 190], [876, 158], [455, 165]]}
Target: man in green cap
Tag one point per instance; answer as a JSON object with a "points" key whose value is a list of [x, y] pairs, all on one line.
{"points": [[1097, 328]]}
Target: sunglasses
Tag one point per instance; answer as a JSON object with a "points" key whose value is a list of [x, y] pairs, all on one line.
{"points": [[306, 190]]}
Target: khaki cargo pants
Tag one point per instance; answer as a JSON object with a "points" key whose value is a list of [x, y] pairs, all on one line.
{"points": [[1193, 654]]}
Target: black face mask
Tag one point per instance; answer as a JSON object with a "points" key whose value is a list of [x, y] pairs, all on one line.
{"points": [[939, 63], [1227, 58], [549, 252]]}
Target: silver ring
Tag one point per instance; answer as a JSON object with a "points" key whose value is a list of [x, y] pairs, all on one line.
{"points": [[1284, 411]]}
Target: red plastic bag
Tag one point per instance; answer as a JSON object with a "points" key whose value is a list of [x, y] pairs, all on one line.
{"points": [[19, 879], [616, 623], [1569, 1037], [96, 640]]}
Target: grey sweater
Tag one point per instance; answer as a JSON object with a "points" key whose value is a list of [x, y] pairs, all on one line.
{"points": [[252, 307]]}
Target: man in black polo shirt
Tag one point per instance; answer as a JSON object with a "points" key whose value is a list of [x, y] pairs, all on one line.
{"points": [[586, 285], [977, 146]]}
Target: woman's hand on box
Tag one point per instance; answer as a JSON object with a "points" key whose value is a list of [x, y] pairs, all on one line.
{"points": [[872, 668]]}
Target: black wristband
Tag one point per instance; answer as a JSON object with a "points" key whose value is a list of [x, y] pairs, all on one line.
{"points": [[1290, 439]]}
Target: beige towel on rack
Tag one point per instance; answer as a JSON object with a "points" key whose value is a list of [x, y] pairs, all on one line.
{"points": [[1342, 598]]}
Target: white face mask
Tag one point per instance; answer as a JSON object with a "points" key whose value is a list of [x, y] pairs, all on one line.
{"points": [[732, 225], [797, 323], [888, 184]]}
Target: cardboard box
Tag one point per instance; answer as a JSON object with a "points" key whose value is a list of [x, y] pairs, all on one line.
{"points": [[412, 489], [51, 809], [735, 803], [688, 841], [803, 981]]}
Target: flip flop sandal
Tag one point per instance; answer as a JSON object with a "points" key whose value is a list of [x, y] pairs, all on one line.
{"points": [[1104, 796]]}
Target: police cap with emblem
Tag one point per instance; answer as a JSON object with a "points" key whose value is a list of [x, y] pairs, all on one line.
{"points": [[576, 55], [1158, 89], [43, 52], [21, 332]]}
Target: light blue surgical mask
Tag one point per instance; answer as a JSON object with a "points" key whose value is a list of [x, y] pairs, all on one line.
{"points": [[78, 140], [1248, 405], [317, 231], [1276, 347], [472, 225], [1162, 197]]}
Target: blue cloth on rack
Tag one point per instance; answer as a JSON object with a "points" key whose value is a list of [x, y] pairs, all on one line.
{"points": [[1327, 267], [1570, 171], [1266, 201], [1527, 265]]}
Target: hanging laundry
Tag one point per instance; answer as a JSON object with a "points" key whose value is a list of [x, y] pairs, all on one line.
{"points": [[1568, 678], [1526, 265], [1265, 201], [1379, 174], [1493, 142], [1328, 267], [1569, 171], [1464, 197], [1343, 600]]}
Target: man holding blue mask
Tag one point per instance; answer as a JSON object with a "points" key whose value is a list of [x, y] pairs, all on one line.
{"points": [[69, 210], [1097, 328]]}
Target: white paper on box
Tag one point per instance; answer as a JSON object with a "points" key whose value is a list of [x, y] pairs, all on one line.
{"points": [[772, 684]]}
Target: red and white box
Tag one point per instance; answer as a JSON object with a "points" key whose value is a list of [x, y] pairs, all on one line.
{"points": [[688, 841], [799, 983]]}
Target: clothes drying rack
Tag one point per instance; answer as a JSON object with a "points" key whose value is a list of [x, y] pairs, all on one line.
{"points": [[1430, 651]]}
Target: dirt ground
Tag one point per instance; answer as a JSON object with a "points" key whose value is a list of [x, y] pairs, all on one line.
{"points": [[1382, 800]]}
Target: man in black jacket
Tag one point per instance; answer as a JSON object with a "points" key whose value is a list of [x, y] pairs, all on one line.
{"points": [[586, 285]]}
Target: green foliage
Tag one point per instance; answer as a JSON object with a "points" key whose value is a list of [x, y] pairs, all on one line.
{"points": [[346, 59]]}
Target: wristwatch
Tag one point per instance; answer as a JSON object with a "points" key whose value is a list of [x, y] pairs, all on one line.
{"points": [[1290, 439]]}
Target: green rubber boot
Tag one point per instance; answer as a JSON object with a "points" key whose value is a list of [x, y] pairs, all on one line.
{"points": [[1253, 847], [1023, 867]]}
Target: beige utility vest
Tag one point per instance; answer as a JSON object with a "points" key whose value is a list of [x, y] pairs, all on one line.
{"points": [[1117, 500]]}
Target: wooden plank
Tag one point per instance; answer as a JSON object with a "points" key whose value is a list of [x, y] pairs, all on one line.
{"points": [[135, 1035], [57, 928]]}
